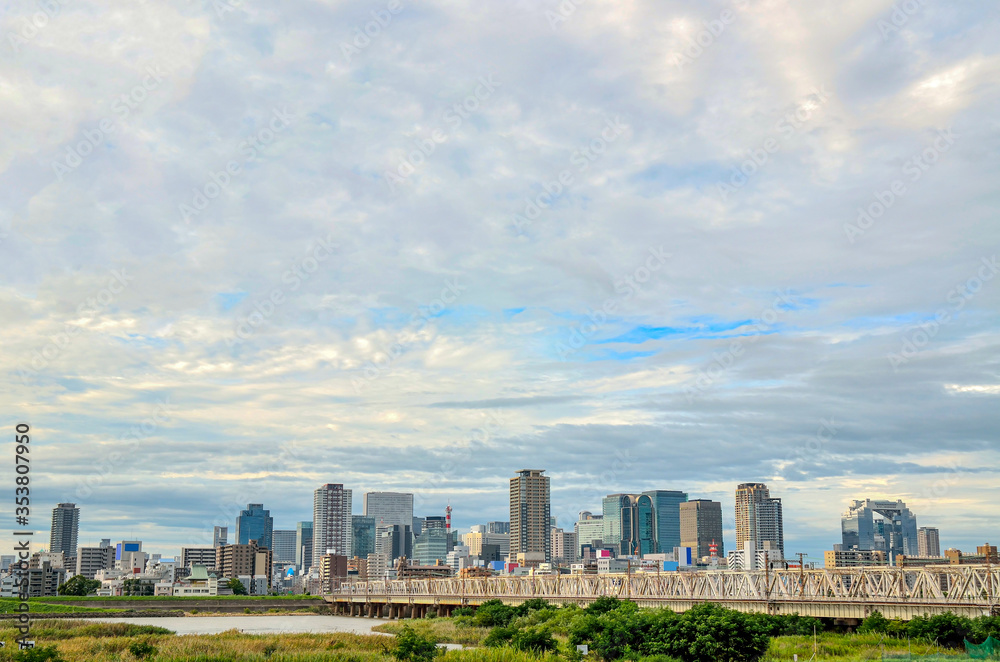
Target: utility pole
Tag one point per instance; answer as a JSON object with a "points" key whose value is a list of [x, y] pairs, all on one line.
{"points": [[802, 579]]}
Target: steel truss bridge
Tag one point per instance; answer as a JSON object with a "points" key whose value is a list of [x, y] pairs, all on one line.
{"points": [[842, 593]]}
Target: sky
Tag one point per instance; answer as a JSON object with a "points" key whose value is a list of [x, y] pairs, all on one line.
{"points": [[250, 248]]}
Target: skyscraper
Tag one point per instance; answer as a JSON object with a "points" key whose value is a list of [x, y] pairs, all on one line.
{"points": [[284, 545], [362, 535], [928, 542], [589, 529], [388, 508], [255, 523], [331, 521], [759, 517], [219, 535], [64, 534], [666, 506], [701, 525], [530, 515], [894, 532], [303, 545], [498, 527]]}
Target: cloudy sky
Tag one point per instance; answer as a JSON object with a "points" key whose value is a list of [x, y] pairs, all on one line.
{"points": [[249, 248]]}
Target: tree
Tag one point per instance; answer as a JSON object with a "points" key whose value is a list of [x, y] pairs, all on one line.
{"points": [[237, 586], [79, 585], [412, 647]]}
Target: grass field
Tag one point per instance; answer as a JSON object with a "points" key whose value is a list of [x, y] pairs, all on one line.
{"points": [[9, 606], [167, 598]]}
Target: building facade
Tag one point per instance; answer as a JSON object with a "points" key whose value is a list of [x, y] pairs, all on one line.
{"points": [[530, 515], [894, 531], [565, 551], [502, 528], [928, 542], [388, 508], [65, 532], [91, 560], [243, 560], [331, 521], [255, 524], [219, 536], [205, 556], [284, 545], [363, 535], [589, 530], [666, 506], [303, 545], [701, 527], [759, 517]]}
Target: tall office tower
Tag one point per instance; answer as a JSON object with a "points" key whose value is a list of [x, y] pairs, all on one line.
{"points": [[894, 532], [388, 508], [611, 520], [701, 526], [284, 545], [530, 511], [431, 546], [331, 521], [589, 530], [629, 524], [255, 523], [65, 531], [219, 536], [759, 517], [928, 542], [394, 541], [363, 535], [303, 545], [667, 509], [434, 522], [498, 527]]}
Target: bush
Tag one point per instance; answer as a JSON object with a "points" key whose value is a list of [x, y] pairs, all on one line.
{"points": [[534, 604], [464, 611], [499, 637], [413, 647], [946, 629], [493, 613], [602, 605], [983, 627], [533, 640], [874, 623], [46, 654], [142, 649]]}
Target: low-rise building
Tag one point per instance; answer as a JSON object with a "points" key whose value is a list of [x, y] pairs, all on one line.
{"points": [[849, 558]]}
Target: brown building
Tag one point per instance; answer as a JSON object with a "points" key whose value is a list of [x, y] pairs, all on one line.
{"points": [[530, 518], [235, 560], [332, 571], [701, 526]]}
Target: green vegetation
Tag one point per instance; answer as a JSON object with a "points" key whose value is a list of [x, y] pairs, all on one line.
{"points": [[945, 629], [92, 598], [413, 647], [78, 585], [236, 586], [9, 606]]}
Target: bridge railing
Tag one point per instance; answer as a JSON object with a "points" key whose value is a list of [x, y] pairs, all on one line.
{"points": [[944, 585]]}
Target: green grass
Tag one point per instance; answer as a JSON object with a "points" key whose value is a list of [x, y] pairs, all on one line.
{"points": [[441, 629], [9, 606], [833, 647]]}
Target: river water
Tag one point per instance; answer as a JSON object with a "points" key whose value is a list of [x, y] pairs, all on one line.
{"points": [[262, 624]]}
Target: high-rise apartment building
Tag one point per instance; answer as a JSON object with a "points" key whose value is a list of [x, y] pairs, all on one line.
{"points": [[206, 556], [331, 521], [530, 514], [363, 535], [244, 560], [303, 545], [666, 506], [894, 531], [388, 508], [284, 545], [89, 560], [701, 526], [564, 547], [64, 533], [928, 542], [255, 524], [219, 535], [759, 517]]}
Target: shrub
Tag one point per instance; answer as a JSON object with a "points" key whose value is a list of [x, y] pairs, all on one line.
{"points": [[46, 654], [874, 623], [142, 649], [534, 604], [493, 613], [498, 637], [464, 611], [946, 629], [414, 647], [533, 640], [602, 605]]}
